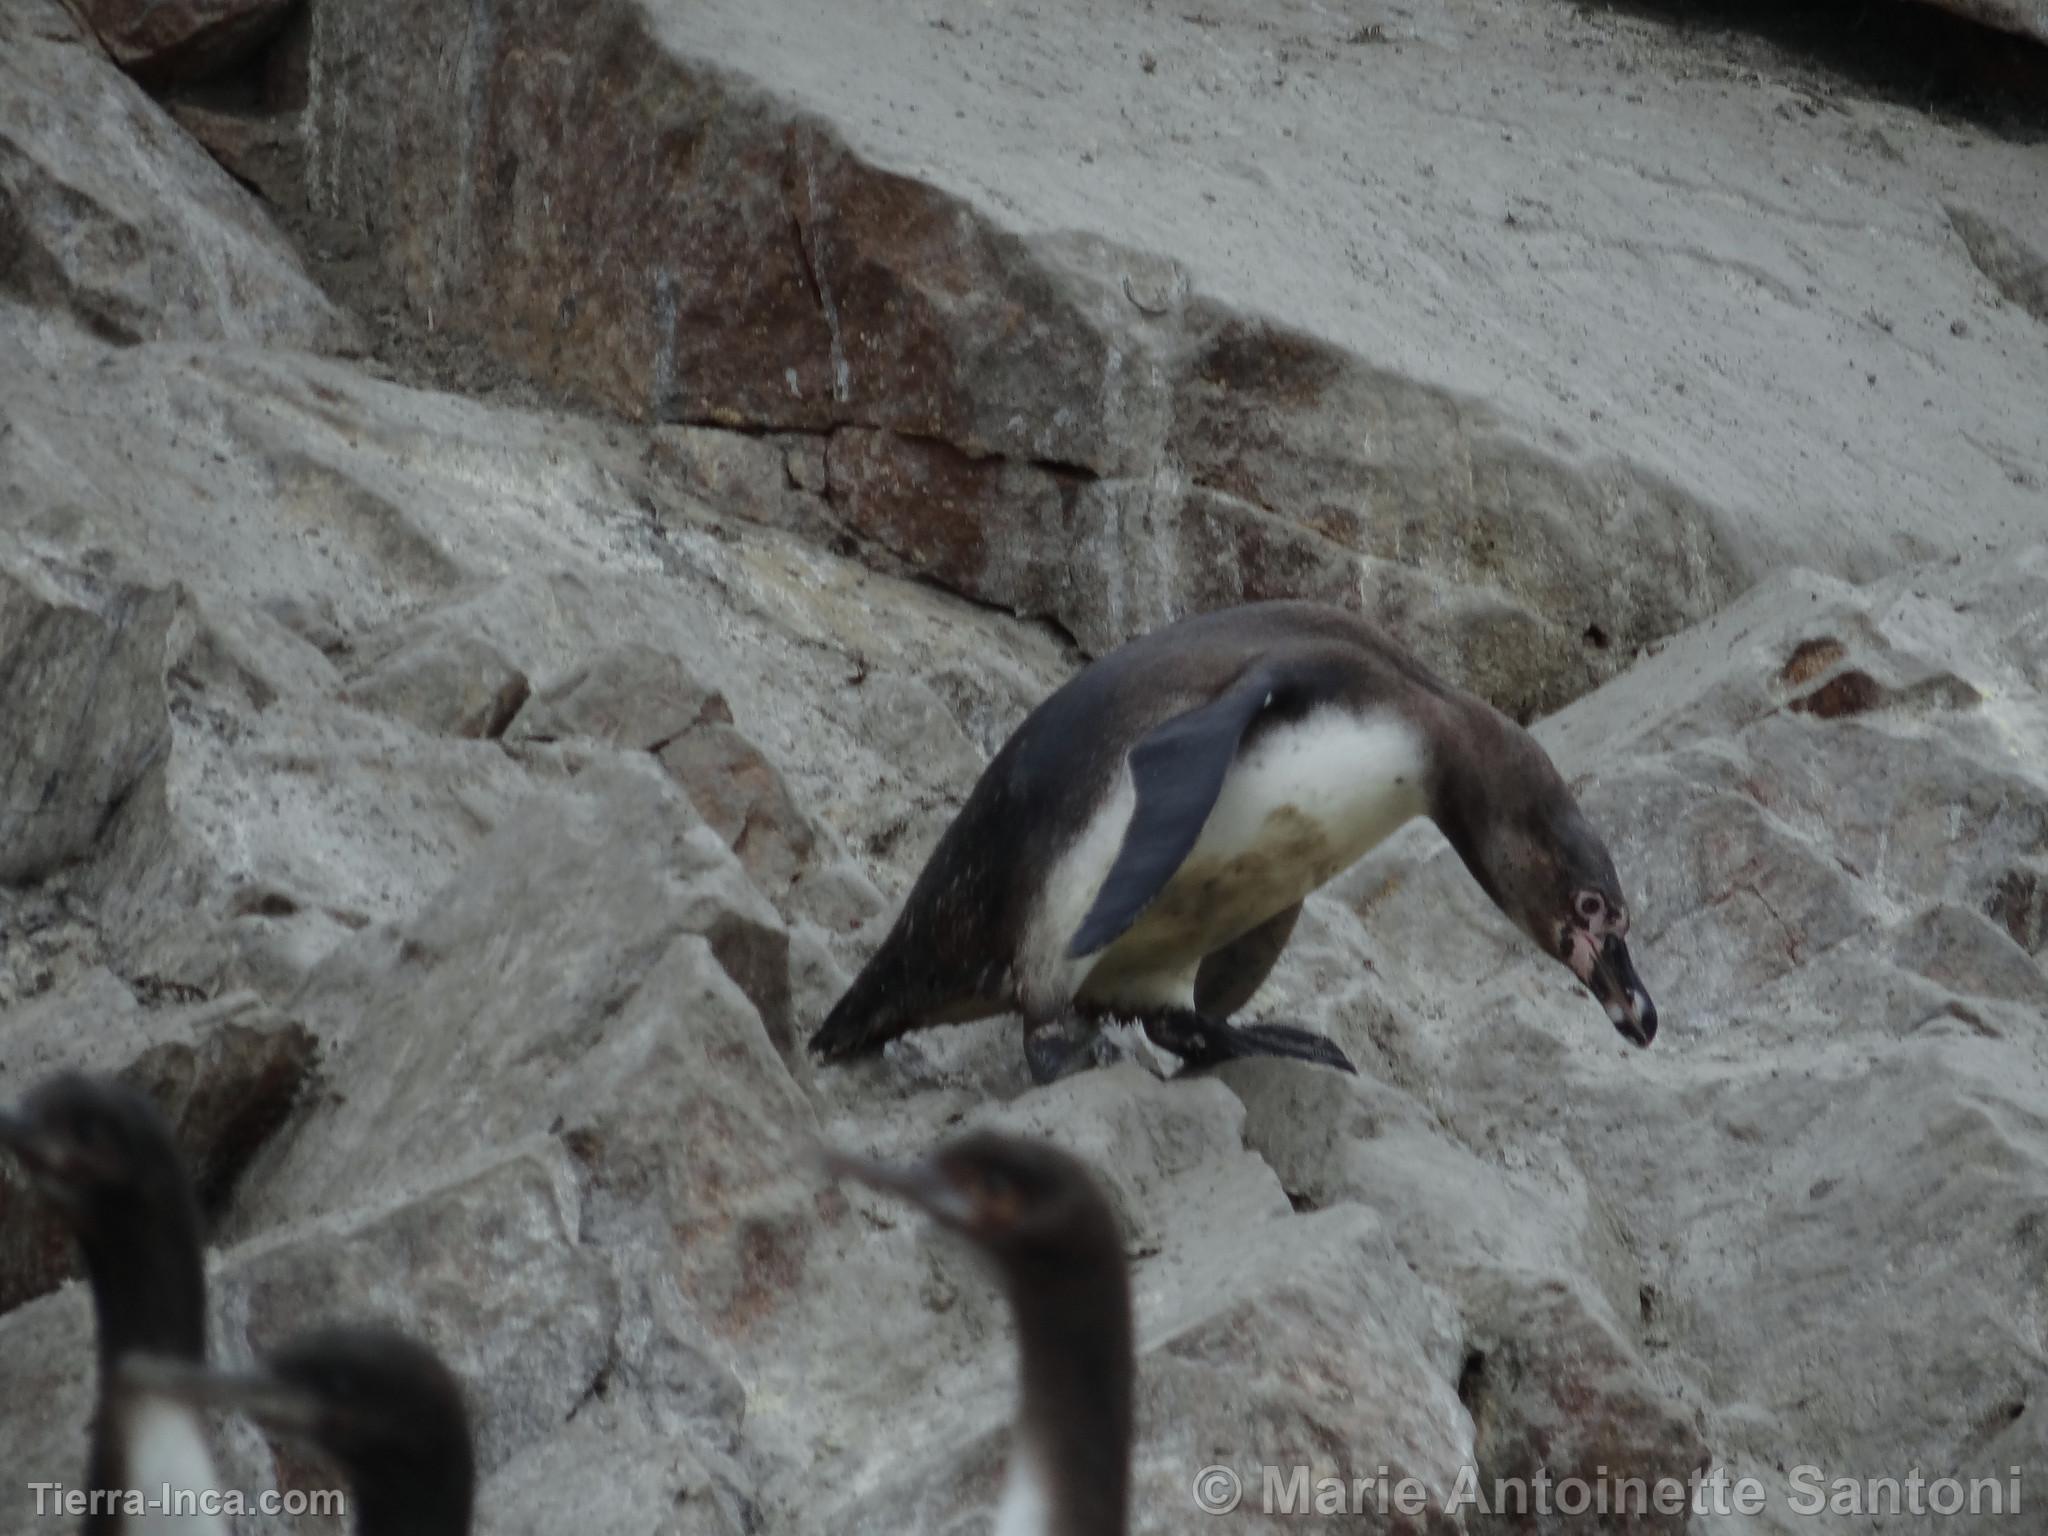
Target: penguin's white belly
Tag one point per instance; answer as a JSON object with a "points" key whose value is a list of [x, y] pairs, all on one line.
{"points": [[1304, 804], [166, 1453], [1025, 1510]]}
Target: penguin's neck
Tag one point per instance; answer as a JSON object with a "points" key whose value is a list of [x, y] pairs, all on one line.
{"points": [[1070, 1457], [147, 1275], [414, 1506], [1474, 751]]}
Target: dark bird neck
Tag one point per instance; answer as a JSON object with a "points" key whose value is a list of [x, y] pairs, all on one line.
{"points": [[1074, 1431], [1475, 756], [147, 1274], [425, 1505]]}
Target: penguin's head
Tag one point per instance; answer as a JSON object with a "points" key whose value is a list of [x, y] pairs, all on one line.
{"points": [[1013, 1197], [379, 1405], [95, 1148], [1552, 875]]}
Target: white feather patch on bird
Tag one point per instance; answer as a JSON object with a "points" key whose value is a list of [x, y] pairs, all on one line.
{"points": [[1025, 1510], [166, 1451], [1307, 801]]}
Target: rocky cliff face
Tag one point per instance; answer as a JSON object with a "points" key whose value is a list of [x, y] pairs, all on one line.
{"points": [[499, 593]]}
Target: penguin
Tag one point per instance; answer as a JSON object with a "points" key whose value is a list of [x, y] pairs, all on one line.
{"points": [[1039, 1216], [1141, 845], [103, 1156], [379, 1405]]}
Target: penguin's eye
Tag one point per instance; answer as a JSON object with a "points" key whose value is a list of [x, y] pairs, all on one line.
{"points": [[1590, 906]]}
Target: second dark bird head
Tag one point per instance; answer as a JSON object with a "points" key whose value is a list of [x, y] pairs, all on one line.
{"points": [[1012, 1197], [378, 1404]]}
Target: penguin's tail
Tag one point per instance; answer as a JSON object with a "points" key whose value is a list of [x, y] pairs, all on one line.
{"points": [[875, 1010]]}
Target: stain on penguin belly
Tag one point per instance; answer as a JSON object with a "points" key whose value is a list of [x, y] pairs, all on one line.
{"points": [[1305, 803]]}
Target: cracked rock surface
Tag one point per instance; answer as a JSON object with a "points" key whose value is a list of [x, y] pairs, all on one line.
{"points": [[486, 639]]}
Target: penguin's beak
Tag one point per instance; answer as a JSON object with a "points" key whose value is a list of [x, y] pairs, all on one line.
{"points": [[924, 1185], [1611, 977], [276, 1405]]}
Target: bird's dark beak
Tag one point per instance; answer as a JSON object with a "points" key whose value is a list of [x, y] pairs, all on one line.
{"points": [[1621, 992], [276, 1405], [922, 1184]]}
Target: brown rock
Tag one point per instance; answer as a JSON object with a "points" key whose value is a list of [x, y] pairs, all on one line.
{"points": [[1003, 414], [742, 795]]}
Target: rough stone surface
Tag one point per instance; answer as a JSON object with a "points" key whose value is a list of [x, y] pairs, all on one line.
{"points": [[1021, 400], [2015, 264], [82, 712], [111, 214], [458, 810]]}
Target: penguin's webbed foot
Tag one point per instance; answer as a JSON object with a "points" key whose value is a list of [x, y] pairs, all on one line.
{"points": [[1201, 1043], [1295, 1044]]}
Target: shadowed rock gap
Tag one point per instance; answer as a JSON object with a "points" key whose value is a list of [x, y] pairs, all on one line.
{"points": [[1911, 52]]}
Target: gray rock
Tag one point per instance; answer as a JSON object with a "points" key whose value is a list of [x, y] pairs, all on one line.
{"points": [[82, 709], [481, 1260], [113, 216], [447, 684], [2016, 266]]}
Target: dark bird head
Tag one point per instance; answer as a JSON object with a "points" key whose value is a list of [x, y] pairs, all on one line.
{"points": [[380, 1406], [1043, 1220], [104, 1157], [1522, 835], [1019, 1201]]}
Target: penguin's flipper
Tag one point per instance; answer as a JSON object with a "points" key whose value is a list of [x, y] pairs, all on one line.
{"points": [[1178, 770]]}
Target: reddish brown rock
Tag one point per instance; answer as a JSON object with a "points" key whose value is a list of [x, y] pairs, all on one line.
{"points": [[1048, 425], [740, 793]]}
